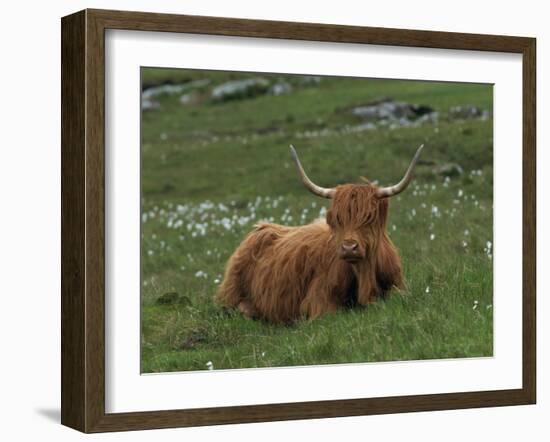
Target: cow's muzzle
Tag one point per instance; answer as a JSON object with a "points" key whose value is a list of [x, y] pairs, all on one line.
{"points": [[350, 251]]}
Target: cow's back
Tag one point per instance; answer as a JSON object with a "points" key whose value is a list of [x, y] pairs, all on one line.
{"points": [[271, 270]]}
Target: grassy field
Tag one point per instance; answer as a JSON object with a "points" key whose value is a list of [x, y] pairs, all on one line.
{"points": [[210, 171]]}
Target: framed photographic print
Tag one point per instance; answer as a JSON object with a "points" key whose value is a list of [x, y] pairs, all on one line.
{"points": [[268, 220]]}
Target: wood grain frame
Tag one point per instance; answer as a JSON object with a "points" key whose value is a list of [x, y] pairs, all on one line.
{"points": [[83, 220]]}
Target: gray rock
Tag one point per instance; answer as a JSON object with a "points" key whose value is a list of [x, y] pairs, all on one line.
{"points": [[240, 89], [173, 89], [149, 104], [395, 113], [362, 127], [449, 169], [432, 117], [188, 98], [468, 112], [280, 88]]}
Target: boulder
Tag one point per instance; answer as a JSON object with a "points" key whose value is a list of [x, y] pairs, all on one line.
{"points": [[189, 98], [173, 89], [448, 169], [280, 88], [239, 89], [148, 104], [397, 112], [467, 112]]}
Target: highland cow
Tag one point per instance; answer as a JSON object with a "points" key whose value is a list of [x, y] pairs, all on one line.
{"points": [[281, 273]]}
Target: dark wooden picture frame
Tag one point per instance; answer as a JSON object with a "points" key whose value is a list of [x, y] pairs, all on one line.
{"points": [[83, 220]]}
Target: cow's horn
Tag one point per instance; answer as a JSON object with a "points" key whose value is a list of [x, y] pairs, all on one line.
{"points": [[312, 187], [384, 192]]}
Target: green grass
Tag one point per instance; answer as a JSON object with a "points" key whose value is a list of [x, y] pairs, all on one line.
{"points": [[210, 171]]}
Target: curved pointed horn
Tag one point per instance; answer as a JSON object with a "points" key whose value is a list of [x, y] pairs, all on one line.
{"points": [[312, 187], [384, 192]]}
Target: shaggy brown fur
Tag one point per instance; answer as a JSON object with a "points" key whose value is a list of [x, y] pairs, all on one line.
{"points": [[281, 273]]}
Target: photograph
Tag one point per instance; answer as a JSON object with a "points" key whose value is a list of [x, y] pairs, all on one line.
{"points": [[301, 220], [233, 221]]}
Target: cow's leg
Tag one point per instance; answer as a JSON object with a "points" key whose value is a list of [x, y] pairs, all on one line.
{"points": [[235, 290], [231, 291], [247, 309], [367, 288], [388, 267], [318, 301]]}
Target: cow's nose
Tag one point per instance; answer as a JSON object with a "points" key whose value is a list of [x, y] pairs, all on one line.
{"points": [[350, 247]]}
